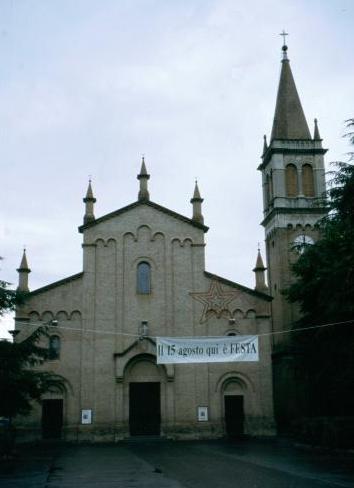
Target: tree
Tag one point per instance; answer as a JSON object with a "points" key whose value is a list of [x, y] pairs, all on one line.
{"points": [[8, 298], [324, 289], [21, 382]]}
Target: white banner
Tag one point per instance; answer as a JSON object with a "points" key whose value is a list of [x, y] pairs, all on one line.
{"points": [[206, 349]]}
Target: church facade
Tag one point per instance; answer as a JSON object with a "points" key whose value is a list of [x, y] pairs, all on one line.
{"points": [[144, 277]]}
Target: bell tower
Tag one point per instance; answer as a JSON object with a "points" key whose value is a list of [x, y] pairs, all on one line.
{"points": [[293, 179]]}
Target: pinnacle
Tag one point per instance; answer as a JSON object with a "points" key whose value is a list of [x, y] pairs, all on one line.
{"points": [[23, 264], [143, 171], [196, 194], [143, 178], [89, 194], [316, 134], [259, 262]]}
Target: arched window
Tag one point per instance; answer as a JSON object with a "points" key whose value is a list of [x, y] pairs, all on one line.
{"points": [[54, 347], [308, 186], [144, 278], [291, 180]]}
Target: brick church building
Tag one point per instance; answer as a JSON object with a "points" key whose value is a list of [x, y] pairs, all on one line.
{"points": [[144, 276]]}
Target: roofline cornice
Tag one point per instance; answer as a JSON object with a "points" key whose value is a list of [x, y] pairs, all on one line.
{"points": [[322, 211], [55, 284], [233, 284], [149, 203], [279, 150]]}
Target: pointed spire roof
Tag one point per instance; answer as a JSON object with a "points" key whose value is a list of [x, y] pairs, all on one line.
{"points": [[316, 134], [89, 194], [259, 263], [259, 271], [24, 264], [265, 144], [143, 172], [143, 178], [196, 194], [197, 201], [289, 118]]}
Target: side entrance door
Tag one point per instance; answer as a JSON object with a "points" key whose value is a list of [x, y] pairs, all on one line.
{"points": [[144, 408], [52, 419], [234, 415]]}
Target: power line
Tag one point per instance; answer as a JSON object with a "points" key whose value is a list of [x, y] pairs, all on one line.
{"points": [[111, 332]]}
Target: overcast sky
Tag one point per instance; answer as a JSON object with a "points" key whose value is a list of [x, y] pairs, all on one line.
{"points": [[87, 87]]}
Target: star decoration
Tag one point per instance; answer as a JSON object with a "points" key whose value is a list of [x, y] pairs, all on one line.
{"points": [[215, 300]]}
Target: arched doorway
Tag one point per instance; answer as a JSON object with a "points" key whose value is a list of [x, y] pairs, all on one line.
{"points": [[144, 408], [52, 420], [145, 383], [234, 407]]}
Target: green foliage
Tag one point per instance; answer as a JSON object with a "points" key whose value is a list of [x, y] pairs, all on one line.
{"points": [[9, 298], [325, 271], [20, 381], [324, 289]]}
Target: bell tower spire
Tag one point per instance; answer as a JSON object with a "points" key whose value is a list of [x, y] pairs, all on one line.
{"points": [[292, 163], [289, 119]]}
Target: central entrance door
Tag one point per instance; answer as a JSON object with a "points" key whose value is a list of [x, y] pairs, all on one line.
{"points": [[144, 408], [234, 415], [52, 419]]}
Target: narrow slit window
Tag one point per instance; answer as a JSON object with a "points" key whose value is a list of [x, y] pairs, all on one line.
{"points": [[270, 189], [54, 347], [144, 278], [267, 191]]}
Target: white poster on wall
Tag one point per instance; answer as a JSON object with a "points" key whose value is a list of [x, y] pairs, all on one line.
{"points": [[203, 414], [206, 349], [86, 416]]}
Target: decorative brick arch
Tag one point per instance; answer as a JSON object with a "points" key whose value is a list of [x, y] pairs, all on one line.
{"points": [[236, 383], [234, 376], [139, 348]]}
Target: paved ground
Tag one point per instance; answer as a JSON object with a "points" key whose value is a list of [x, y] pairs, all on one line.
{"points": [[216, 464]]}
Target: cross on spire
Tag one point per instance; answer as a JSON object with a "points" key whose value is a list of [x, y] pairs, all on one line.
{"points": [[284, 34]]}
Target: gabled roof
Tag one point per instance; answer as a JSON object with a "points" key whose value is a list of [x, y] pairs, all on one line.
{"points": [[138, 203], [55, 284], [233, 284]]}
